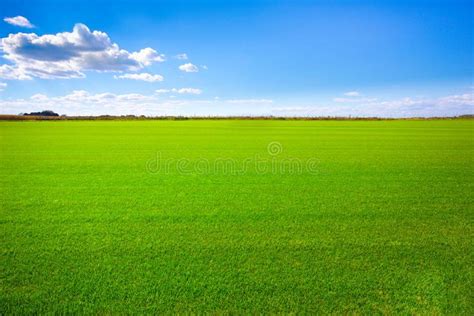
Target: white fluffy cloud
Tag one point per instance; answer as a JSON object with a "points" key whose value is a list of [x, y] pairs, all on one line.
{"points": [[189, 68], [19, 21], [141, 76], [3, 85], [69, 54], [147, 56]]}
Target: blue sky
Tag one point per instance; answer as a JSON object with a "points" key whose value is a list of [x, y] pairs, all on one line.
{"points": [[361, 58]]}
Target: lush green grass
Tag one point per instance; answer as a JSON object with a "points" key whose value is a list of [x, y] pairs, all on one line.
{"points": [[383, 225]]}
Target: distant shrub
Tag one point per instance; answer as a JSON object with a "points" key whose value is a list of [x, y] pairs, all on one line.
{"points": [[42, 113]]}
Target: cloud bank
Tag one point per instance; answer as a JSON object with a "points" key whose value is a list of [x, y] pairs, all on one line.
{"points": [[84, 103], [452, 105]]}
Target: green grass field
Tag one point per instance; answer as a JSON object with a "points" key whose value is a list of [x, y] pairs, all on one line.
{"points": [[381, 223]]}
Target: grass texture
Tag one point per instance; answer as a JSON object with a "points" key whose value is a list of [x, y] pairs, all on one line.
{"points": [[382, 223]]}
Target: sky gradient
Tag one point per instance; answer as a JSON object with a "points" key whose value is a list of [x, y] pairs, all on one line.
{"points": [[290, 58]]}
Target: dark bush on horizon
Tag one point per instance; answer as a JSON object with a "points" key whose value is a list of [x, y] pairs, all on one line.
{"points": [[42, 113]]}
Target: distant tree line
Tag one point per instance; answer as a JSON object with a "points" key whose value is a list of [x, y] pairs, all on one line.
{"points": [[50, 115]]}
